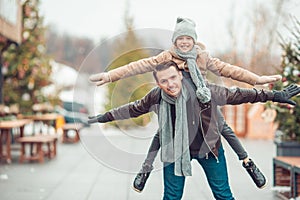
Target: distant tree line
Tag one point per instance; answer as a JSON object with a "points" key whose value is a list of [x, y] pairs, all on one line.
{"points": [[66, 48]]}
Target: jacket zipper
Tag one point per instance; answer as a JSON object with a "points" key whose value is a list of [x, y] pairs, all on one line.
{"points": [[206, 155]]}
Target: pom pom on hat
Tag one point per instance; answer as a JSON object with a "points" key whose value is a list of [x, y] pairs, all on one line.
{"points": [[184, 26]]}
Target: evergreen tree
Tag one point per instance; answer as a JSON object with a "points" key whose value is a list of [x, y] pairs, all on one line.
{"points": [[132, 88], [288, 117], [26, 66]]}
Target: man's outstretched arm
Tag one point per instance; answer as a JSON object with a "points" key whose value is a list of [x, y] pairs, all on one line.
{"points": [[133, 109], [101, 118], [234, 96], [287, 93]]}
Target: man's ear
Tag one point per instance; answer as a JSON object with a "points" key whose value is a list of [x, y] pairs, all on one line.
{"points": [[157, 83], [180, 74]]}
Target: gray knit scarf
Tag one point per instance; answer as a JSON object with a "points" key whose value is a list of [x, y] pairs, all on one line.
{"points": [[175, 149], [202, 92]]}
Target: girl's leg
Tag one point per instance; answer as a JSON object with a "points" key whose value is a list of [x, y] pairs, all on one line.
{"points": [[254, 172], [231, 137], [152, 152], [141, 178], [233, 141]]}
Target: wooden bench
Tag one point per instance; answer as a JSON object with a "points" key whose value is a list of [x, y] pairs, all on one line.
{"points": [[286, 173], [38, 141], [296, 180], [71, 126]]}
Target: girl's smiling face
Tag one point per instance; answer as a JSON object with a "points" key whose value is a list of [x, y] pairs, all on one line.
{"points": [[184, 43]]}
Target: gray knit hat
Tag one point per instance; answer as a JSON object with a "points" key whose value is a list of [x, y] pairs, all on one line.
{"points": [[184, 26]]}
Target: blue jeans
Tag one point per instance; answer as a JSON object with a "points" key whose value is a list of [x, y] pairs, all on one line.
{"points": [[216, 174]]}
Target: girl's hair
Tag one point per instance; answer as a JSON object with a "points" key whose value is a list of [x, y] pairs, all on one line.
{"points": [[163, 66]]}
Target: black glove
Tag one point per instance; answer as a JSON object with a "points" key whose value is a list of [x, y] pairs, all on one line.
{"points": [[285, 95], [101, 118]]}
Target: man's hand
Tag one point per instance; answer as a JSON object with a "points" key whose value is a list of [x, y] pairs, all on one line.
{"points": [[99, 118], [100, 78], [268, 79], [287, 93]]}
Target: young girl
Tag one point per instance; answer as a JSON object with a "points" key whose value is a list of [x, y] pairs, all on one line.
{"points": [[194, 60]]}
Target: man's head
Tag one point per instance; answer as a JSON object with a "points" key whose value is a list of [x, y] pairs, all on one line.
{"points": [[184, 27], [168, 78]]}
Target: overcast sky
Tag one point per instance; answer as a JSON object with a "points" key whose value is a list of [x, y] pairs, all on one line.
{"points": [[97, 19]]}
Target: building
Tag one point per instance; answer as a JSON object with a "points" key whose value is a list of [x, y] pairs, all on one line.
{"points": [[10, 29]]}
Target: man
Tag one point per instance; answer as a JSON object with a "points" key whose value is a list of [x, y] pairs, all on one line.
{"points": [[192, 57], [189, 129]]}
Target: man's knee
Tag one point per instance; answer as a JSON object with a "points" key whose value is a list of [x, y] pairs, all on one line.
{"points": [[172, 195], [222, 191], [173, 189]]}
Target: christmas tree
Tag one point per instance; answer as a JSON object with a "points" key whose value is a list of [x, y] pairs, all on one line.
{"points": [[288, 117], [26, 67]]}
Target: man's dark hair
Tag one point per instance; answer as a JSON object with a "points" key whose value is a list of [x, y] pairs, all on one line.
{"points": [[163, 66]]}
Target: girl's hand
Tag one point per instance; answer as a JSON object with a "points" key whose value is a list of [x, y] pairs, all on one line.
{"points": [[100, 78], [268, 79]]}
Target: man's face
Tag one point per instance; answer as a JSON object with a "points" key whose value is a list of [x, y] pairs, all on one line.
{"points": [[169, 81], [184, 43]]}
